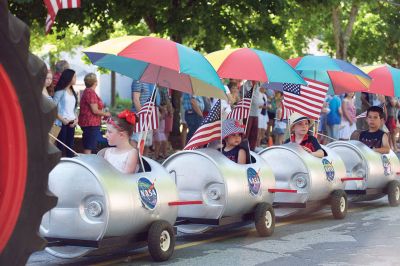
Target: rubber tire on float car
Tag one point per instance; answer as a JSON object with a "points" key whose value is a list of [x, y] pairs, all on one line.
{"points": [[338, 202], [393, 192], [264, 219], [26, 157], [161, 240]]}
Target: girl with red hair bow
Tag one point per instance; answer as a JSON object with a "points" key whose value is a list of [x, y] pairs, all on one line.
{"points": [[122, 155]]}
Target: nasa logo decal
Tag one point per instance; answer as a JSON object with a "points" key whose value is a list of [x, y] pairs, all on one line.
{"points": [[387, 167], [254, 181], [329, 170], [147, 193]]}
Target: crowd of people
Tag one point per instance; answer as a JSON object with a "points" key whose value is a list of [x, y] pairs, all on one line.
{"points": [[264, 127], [342, 116]]}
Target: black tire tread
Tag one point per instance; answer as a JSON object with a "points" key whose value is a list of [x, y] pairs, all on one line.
{"points": [[153, 240], [259, 219], [335, 204], [391, 192], [27, 73]]}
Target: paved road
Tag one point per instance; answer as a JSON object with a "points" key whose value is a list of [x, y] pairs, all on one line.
{"points": [[370, 235]]}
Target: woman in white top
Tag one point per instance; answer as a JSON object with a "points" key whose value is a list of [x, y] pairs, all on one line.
{"points": [[123, 156], [66, 100], [348, 123], [262, 115]]}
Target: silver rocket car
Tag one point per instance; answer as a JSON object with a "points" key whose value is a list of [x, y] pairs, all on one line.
{"points": [[99, 207], [370, 175], [228, 190], [304, 182]]}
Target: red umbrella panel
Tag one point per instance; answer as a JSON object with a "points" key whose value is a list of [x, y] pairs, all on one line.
{"points": [[385, 80], [341, 76]]}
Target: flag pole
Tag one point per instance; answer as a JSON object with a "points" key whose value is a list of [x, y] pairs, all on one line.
{"points": [[251, 101], [62, 143], [143, 133], [220, 110], [242, 107]]}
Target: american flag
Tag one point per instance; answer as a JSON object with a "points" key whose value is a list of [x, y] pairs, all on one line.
{"points": [[209, 130], [147, 116], [242, 109], [364, 114], [54, 5], [306, 100]]}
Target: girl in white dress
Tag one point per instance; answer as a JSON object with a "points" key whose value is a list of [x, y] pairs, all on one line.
{"points": [[123, 156]]}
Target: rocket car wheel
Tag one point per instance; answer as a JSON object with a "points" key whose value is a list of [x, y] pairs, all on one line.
{"points": [[264, 219], [26, 157], [161, 240], [393, 191], [339, 204]]}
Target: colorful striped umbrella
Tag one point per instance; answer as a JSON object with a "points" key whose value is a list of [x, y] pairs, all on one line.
{"points": [[253, 64], [385, 80], [340, 75], [156, 60]]}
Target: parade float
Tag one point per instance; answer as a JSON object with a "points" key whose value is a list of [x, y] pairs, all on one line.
{"points": [[101, 209], [230, 192], [371, 175], [306, 183]]}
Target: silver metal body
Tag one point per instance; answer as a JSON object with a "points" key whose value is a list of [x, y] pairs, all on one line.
{"points": [[319, 176], [361, 161], [86, 183], [222, 185]]}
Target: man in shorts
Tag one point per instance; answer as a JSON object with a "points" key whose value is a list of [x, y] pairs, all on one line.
{"points": [[141, 92]]}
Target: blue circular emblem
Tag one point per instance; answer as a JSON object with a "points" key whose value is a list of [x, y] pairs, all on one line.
{"points": [[147, 193], [254, 181], [387, 167], [329, 170]]}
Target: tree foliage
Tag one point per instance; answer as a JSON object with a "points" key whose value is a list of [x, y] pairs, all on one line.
{"points": [[203, 25], [362, 31]]}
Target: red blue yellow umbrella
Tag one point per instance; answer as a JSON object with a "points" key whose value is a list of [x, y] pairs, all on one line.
{"points": [[156, 60], [253, 64], [340, 75], [385, 80]]}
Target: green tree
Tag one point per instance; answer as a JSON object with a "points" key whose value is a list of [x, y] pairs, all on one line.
{"points": [[203, 25], [377, 35]]}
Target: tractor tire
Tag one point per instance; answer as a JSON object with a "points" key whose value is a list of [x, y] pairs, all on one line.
{"points": [[26, 157]]}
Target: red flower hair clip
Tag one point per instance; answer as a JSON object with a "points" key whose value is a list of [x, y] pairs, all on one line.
{"points": [[129, 116]]}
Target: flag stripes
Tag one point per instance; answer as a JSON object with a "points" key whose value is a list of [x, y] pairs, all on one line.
{"points": [[53, 6], [65, 4], [307, 100], [242, 109], [147, 116], [209, 130]]}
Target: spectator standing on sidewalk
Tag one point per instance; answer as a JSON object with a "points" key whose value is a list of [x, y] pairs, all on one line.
{"points": [[66, 100], [348, 124], [391, 109], [91, 111], [141, 92], [59, 67], [262, 116], [193, 107], [252, 123], [334, 117]]}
